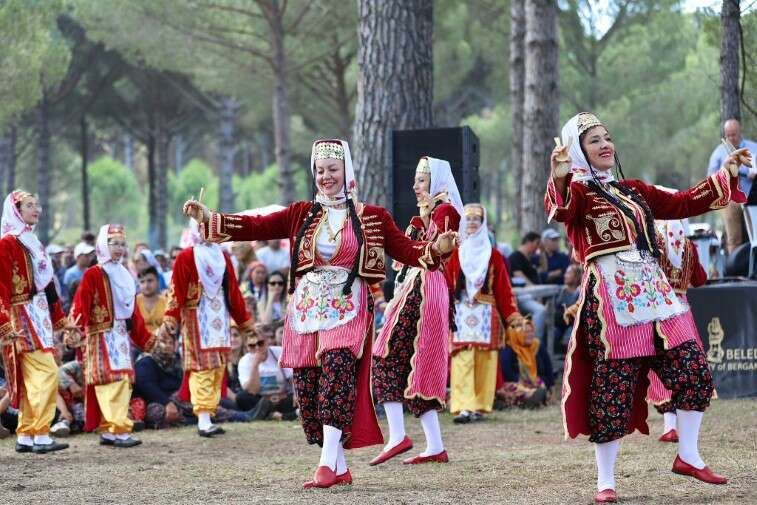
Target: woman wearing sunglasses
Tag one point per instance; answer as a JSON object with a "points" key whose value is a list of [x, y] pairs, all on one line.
{"points": [[276, 299]]}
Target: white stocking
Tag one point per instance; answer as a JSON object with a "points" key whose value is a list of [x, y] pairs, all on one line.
{"points": [[396, 420], [331, 445], [341, 462], [203, 421], [689, 422], [606, 454], [670, 421], [430, 423]]}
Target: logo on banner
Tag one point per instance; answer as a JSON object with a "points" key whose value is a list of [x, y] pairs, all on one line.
{"points": [[716, 335]]}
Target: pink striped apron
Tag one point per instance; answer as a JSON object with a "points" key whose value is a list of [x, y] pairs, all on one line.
{"points": [[430, 361], [657, 393], [304, 349]]}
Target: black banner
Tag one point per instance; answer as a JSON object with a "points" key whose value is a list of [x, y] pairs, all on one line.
{"points": [[726, 317]]}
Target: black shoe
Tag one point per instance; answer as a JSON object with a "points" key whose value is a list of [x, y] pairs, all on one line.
{"points": [[211, 432], [51, 447], [463, 418], [106, 441], [125, 444], [22, 448], [476, 416]]}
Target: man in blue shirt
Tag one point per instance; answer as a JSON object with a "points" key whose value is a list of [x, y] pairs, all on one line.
{"points": [[732, 215], [552, 263]]}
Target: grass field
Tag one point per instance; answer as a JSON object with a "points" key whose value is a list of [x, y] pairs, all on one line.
{"points": [[512, 457]]}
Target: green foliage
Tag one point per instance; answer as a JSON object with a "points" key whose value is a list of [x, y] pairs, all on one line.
{"points": [[115, 196], [34, 55], [256, 190]]}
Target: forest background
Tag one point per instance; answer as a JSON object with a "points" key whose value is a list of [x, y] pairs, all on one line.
{"points": [[116, 111]]}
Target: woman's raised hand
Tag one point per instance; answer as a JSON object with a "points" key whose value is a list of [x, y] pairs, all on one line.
{"points": [[735, 159], [560, 160], [446, 242], [197, 211]]}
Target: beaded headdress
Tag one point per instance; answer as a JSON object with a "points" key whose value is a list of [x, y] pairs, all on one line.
{"points": [[474, 210], [19, 195], [329, 151], [423, 166], [587, 121], [116, 231]]}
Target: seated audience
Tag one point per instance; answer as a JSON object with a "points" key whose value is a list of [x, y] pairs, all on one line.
{"points": [[523, 272], [567, 297], [276, 300], [526, 370], [552, 262], [260, 374], [151, 303]]}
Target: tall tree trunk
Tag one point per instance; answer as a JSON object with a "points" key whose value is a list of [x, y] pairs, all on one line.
{"points": [[84, 175], [128, 151], [152, 192], [44, 174], [180, 149], [395, 84], [517, 84], [730, 107], [281, 113], [5, 160], [541, 112], [163, 141], [227, 149]]}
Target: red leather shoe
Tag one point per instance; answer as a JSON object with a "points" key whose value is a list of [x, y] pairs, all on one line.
{"points": [[324, 478], [341, 480], [436, 458], [705, 474], [403, 446], [670, 436], [606, 496]]}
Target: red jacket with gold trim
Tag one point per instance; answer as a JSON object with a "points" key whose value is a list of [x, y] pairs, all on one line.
{"points": [[184, 298], [380, 236], [17, 285], [596, 227], [497, 291]]}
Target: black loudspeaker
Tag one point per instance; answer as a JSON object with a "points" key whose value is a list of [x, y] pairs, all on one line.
{"points": [[459, 146]]}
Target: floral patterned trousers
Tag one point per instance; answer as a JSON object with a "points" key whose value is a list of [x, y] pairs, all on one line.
{"points": [[326, 394], [390, 374], [683, 370]]}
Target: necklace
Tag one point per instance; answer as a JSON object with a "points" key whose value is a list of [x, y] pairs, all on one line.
{"points": [[331, 233]]}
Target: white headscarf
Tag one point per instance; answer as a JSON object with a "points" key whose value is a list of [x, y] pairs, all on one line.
{"points": [[581, 171], [209, 260], [349, 176], [122, 284], [13, 224], [475, 252], [675, 232], [442, 181]]}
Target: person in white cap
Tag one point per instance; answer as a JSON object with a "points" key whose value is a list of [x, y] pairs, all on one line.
{"points": [[83, 254], [552, 262]]}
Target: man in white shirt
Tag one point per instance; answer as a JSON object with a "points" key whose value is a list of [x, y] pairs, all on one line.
{"points": [[274, 257]]}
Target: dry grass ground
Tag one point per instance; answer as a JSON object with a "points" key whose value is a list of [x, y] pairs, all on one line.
{"points": [[512, 457]]}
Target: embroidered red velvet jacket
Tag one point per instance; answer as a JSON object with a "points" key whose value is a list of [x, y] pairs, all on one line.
{"points": [[183, 300], [596, 227], [497, 292], [17, 285], [92, 310], [380, 236]]}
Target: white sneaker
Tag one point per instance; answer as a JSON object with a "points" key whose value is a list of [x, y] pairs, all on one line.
{"points": [[60, 429]]}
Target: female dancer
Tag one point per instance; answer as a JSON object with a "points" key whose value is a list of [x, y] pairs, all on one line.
{"points": [[203, 299], [338, 249], [105, 308], [680, 262], [30, 312], [629, 317], [410, 359], [485, 309]]}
